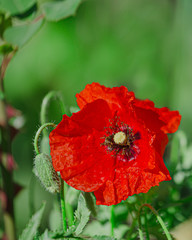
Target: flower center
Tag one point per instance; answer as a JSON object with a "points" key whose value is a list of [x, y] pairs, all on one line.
{"points": [[120, 138]]}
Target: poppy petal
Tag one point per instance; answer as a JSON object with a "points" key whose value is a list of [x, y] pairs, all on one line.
{"points": [[168, 121], [129, 181], [114, 96], [75, 147]]}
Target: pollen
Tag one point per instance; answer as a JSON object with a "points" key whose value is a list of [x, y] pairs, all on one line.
{"points": [[120, 138]]}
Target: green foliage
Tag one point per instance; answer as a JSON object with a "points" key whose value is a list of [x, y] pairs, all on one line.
{"points": [[47, 175], [30, 231], [55, 11], [90, 202], [45, 236], [6, 48], [82, 215], [55, 217], [5, 22], [16, 6], [19, 35], [103, 238]]}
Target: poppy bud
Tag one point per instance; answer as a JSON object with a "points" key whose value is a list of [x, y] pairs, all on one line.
{"points": [[44, 170]]}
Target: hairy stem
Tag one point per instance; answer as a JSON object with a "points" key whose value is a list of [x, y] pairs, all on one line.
{"points": [[38, 133], [160, 220], [146, 227]]}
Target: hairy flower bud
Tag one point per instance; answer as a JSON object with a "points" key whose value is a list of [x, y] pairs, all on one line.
{"points": [[44, 170]]}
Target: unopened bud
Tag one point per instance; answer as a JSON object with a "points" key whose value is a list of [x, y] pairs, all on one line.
{"points": [[47, 175]]}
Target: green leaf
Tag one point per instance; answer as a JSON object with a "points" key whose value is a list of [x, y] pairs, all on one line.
{"points": [[91, 204], [5, 22], [45, 236], [71, 195], [6, 48], [16, 6], [19, 35], [55, 217], [56, 235], [31, 229], [55, 11], [103, 238], [60, 234], [97, 228], [82, 215]]}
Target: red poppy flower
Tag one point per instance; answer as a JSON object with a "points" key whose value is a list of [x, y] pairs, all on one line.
{"points": [[114, 145]]}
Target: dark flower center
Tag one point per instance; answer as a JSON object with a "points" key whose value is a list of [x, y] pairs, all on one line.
{"points": [[120, 139]]}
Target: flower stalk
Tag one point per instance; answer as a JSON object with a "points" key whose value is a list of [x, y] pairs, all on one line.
{"points": [[112, 220], [63, 210], [43, 119], [38, 133], [160, 220]]}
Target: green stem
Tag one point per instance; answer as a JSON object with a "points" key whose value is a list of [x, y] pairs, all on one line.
{"points": [[132, 228], [38, 133], [160, 220], [112, 220], [69, 212], [146, 227], [45, 104], [62, 199], [69, 209]]}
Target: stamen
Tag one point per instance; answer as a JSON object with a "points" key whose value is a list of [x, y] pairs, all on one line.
{"points": [[119, 140]]}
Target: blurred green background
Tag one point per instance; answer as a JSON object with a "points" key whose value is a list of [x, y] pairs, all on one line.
{"points": [[143, 45]]}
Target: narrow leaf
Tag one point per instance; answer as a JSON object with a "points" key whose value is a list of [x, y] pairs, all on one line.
{"points": [[19, 35], [55, 11], [82, 215], [91, 204], [31, 229]]}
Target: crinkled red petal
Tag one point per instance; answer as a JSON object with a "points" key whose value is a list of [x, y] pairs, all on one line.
{"points": [[115, 97], [171, 118], [75, 147], [139, 174], [167, 120], [129, 181], [160, 142], [145, 157]]}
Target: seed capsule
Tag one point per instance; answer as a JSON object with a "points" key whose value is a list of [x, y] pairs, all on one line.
{"points": [[120, 138]]}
